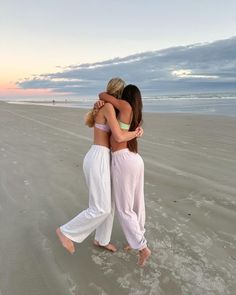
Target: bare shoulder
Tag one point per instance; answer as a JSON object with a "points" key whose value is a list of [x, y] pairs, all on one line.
{"points": [[108, 106]]}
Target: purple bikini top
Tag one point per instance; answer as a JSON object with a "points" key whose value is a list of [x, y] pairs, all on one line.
{"points": [[103, 127]]}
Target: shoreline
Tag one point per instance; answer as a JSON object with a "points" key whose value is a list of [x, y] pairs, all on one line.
{"points": [[190, 200], [86, 108], [218, 105]]}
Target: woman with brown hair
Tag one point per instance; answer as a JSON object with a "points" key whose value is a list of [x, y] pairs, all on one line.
{"points": [[127, 171]]}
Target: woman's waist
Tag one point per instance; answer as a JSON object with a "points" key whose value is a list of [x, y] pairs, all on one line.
{"points": [[115, 146], [102, 140]]}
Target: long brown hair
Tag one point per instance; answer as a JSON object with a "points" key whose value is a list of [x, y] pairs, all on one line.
{"points": [[132, 95]]}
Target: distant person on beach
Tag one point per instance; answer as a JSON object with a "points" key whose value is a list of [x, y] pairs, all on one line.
{"points": [[127, 172], [100, 213]]}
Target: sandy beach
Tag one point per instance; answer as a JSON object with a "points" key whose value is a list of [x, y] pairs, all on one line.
{"points": [[190, 195]]}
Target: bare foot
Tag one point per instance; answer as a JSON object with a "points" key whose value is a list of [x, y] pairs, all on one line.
{"points": [[109, 247], [127, 248], [66, 242], [144, 254]]}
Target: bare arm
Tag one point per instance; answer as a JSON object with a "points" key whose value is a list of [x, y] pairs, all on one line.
{"points": [[119, 104], [118, 134]]}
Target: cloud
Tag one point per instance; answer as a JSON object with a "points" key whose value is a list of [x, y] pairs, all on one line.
{"points": [[196, 67], [186, 73]]}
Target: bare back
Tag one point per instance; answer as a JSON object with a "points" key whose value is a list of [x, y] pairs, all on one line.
{"points": [[125, 117], [100, 137]]}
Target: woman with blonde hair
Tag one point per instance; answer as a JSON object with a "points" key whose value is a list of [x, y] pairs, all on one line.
{"points": [[115, 88], [100, 213]]}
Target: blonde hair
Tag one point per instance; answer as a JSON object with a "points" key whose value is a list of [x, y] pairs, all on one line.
{"points": [[89, 118], [115, 88]]}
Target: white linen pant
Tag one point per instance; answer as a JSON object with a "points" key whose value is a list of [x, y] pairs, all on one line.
{"points": [[100, 213], [127, 172]]}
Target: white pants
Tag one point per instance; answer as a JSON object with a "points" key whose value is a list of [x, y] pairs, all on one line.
{"points": [[100, 213], [127, 171]]}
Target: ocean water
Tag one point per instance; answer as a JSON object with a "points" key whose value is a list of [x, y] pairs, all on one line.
{"points": [[218, 104], [206, 103]]}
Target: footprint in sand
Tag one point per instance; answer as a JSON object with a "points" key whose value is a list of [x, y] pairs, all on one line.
{"points": [[27, 197], [43, 214], [73, 287], [23, 211], [97, 259], [26, 182], [97, 289]]}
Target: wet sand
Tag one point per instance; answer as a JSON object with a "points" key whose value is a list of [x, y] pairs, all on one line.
{"points": [[190, 191]]}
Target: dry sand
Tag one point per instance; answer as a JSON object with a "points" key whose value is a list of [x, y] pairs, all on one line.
{"points": [[190, 190]]}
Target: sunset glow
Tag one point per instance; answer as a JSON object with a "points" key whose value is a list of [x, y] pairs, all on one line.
{"points": [[42, 41]]}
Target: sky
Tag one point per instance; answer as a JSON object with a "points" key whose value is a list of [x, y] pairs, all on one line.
{"points": [[41, 39]]}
